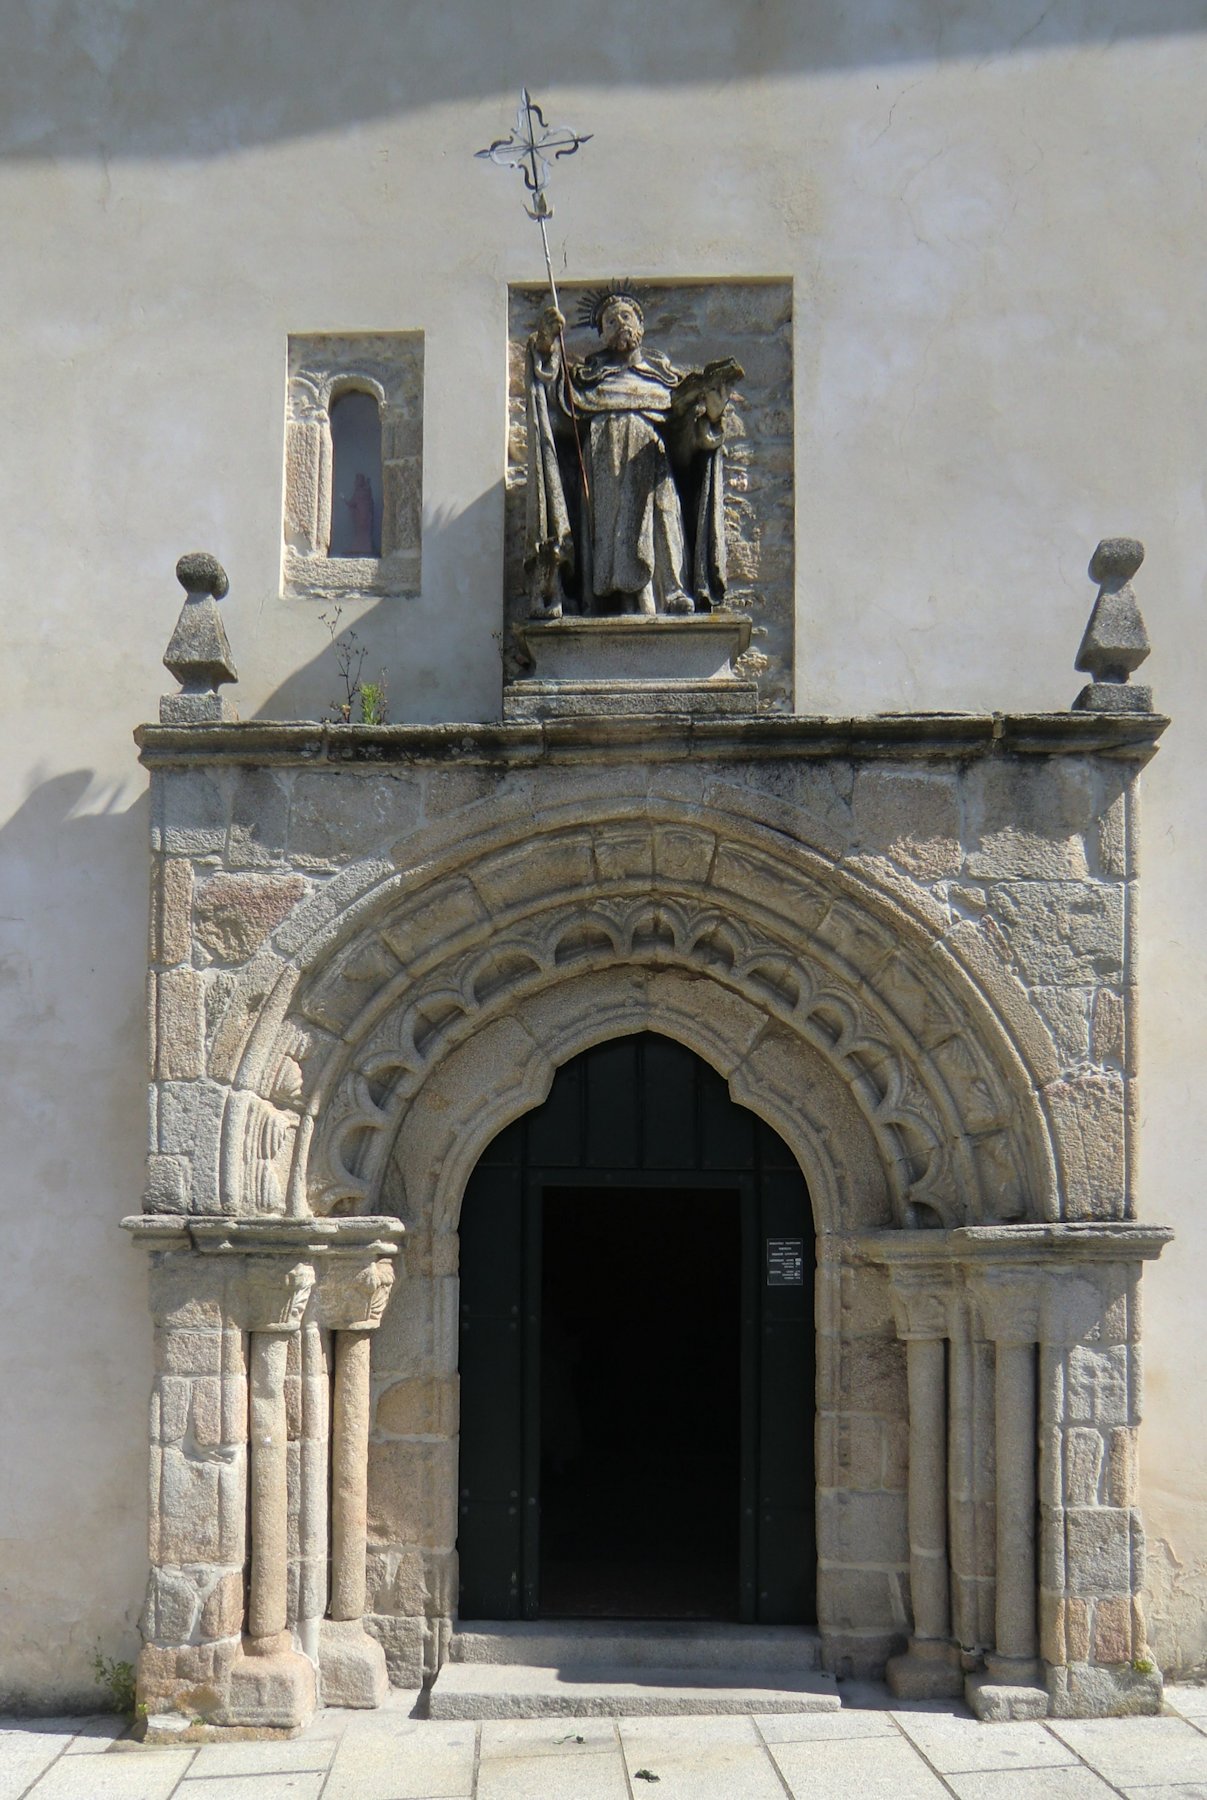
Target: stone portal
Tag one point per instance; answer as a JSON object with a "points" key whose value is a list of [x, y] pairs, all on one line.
{"points": [[902, 944]]}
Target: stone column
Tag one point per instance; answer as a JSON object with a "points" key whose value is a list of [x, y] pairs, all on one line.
{"points": [[268, 1584], [969, 1487], [349, 1474], [352, 1664], [312, 1503], [931, 1666], [1009, 1302], [272, 1686]]}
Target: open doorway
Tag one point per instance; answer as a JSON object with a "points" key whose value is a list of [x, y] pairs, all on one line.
{"points": [[640, 1404], [636, 1355]]}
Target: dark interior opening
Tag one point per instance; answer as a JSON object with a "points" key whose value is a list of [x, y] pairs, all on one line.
{"points": [[640, 1446]]}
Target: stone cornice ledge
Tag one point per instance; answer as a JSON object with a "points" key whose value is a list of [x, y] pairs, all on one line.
{"points": [[1090, 1240], [217, 1236], [665, 737]]}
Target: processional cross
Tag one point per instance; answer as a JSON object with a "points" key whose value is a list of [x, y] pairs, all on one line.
{"points": [[528, 152], [531, 144]]}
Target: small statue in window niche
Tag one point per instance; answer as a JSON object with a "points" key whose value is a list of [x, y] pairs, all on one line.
{"points": [[360, 511], [625, 480]]}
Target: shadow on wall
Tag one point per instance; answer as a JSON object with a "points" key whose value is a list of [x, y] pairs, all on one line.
{"points": [[441, 657], [77, 1334], [123, 79]]}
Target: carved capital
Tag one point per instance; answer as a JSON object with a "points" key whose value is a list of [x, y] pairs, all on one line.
{"points": [[1010, 1304], [352, 1296], [276, 1293], [923, 1298]]}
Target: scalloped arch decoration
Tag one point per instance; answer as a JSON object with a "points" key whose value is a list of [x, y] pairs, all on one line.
{"points": [[833, 1009]]}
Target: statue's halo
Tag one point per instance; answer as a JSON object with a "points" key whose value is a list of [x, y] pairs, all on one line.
{"points": [[592, 303]]}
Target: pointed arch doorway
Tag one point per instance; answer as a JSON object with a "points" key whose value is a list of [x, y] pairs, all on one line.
{"points": [[637, 1354]]}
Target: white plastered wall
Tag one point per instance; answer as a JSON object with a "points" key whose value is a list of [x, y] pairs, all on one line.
{"points": [[992, 227]]}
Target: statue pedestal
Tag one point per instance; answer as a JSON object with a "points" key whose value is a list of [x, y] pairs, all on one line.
{"points": [[632, 665]]}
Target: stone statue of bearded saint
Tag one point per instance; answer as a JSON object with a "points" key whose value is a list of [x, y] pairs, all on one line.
{"points": [[644, 532]]}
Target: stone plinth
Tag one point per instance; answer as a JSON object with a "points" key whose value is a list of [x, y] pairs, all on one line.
{"points": [[632, 665]]}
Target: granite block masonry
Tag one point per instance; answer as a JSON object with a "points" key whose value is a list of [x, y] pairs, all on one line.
{"points": [[903, 942]]}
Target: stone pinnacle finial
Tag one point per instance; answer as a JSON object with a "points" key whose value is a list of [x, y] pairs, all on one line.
{"points": [[199, 655], [1115, 640]]}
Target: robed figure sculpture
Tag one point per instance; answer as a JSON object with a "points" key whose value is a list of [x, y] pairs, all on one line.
{"points": [[625, 479]]}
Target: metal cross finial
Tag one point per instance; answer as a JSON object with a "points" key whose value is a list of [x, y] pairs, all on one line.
{"points": [[528, 152]]}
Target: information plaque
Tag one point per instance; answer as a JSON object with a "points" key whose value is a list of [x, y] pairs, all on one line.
{"points": [[785, 1262]]}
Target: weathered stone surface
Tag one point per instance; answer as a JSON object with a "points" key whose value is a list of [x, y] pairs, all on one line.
{"points": [[1085, 1690], [1111, 1639], [277, 1691], [412, 1494], [171, 907], [189, 1680], [859, 1599], [1061, 933], [332, 819], [190, 811], [352, 1665], [861, 1528], [259, 819], [1083, 1466], [1029, 822], [223, 1607], [1123, 1472], [235, 913], [1108, 1040], [177, 1020], [172, 1607], [1089, 1113], [1097, 1385], [1098, 1543], [914, 819], [404, 1642], [411, 1408], [167, 1188]]}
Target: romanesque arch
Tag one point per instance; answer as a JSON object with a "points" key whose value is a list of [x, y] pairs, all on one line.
{"points": [[795, 976]]}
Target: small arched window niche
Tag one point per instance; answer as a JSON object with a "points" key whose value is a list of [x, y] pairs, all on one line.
{"points": [[353, 465], [355, 425]]}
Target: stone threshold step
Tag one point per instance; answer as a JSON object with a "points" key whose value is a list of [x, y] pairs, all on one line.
{"points": [[524, 1691], [547, 1643]]}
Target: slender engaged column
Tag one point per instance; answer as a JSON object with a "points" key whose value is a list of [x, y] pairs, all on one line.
{"points": [[1014, 1396], [266, 1614], [922, 1304], [312, 1521], [349, 1474], [927, 1375], [351, 1661], [1010, 1302]]}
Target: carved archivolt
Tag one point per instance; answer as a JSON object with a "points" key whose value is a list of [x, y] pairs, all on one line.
{"points": [[764, 935]]}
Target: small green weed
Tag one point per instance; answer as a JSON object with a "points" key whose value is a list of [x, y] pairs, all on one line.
{"points": [[118, 1680]]}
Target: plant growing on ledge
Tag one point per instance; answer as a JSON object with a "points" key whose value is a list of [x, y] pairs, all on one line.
{"points": [[363, 702]]}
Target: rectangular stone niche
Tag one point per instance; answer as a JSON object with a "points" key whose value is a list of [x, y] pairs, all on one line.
{"points": [[694, 322], [323, 369]]}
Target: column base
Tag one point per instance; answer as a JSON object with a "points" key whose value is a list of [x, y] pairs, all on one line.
{"points": [[275, 1692], [1007, 1690], [928, 1670], [352, 1665]]}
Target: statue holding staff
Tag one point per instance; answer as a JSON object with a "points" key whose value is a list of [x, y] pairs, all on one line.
{"points": [[625, 485], [639, 527]]}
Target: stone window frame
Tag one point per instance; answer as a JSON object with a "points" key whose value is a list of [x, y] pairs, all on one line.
{"points": [[322, 368]]}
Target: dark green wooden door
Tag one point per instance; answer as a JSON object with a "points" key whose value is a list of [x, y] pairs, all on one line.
{"points": [[636, 1354]]}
